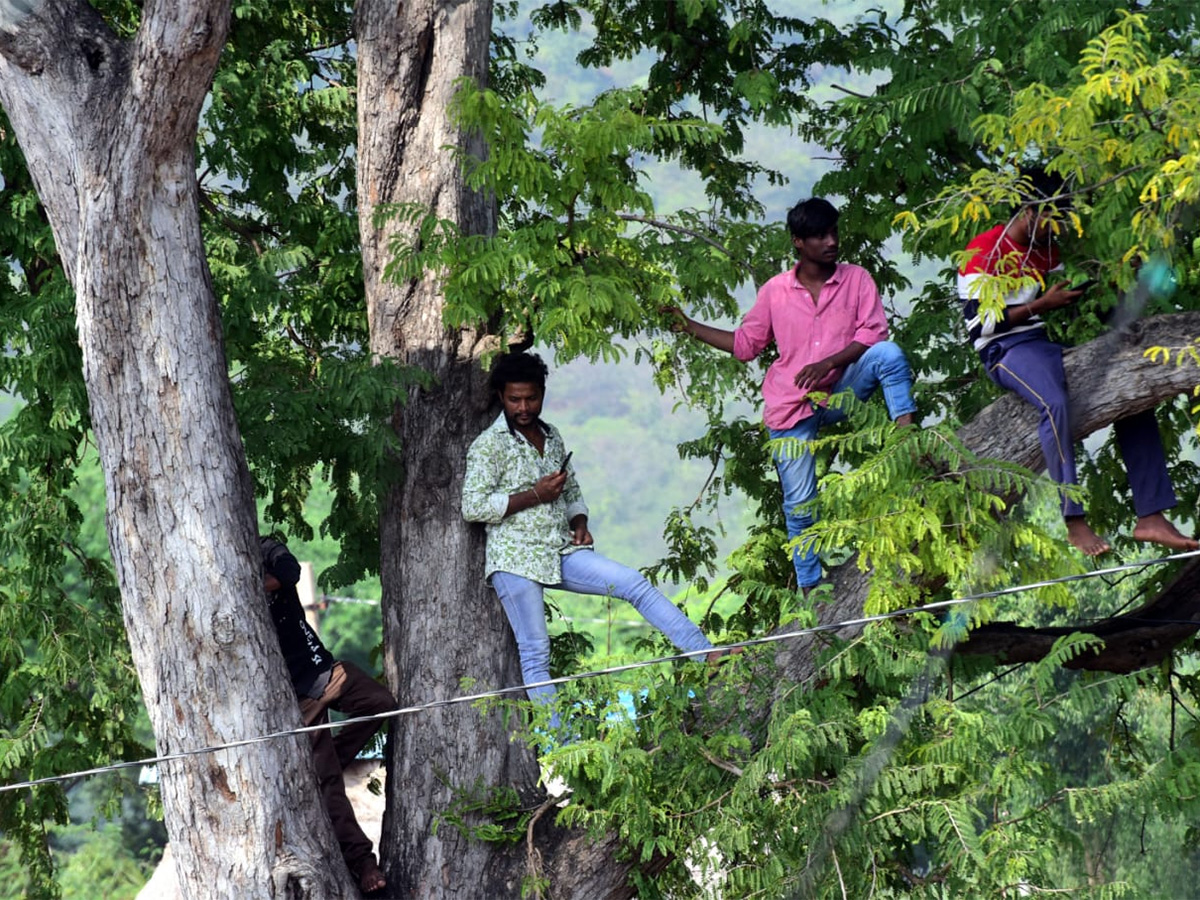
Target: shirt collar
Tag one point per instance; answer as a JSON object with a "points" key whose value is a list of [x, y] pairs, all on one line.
{"points": [[835, 278], [501, 423]]}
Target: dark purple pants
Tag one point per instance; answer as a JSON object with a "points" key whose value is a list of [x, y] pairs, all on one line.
{"points": [[1031, 366], [355, 693]]}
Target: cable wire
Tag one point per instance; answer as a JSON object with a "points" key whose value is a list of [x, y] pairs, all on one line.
{"points": [[596, 673]]}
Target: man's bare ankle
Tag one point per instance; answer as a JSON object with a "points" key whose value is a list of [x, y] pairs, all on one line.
{"points": [[1083, 538]]}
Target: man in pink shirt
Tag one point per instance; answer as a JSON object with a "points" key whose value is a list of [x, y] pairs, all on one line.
{"points": [[827, 321]]}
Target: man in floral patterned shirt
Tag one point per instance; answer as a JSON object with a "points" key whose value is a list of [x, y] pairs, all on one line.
{"points": [[519, 482]]}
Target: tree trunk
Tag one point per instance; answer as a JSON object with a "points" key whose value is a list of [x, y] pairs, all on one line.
{"points": [[108, 128], [442, 626]]}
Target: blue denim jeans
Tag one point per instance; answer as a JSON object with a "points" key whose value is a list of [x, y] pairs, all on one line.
{"points": [[584, 572], [882, 365]]}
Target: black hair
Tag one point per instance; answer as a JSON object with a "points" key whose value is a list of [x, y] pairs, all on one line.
{"points": [[812, 217], [1038, 187], [519, 368]]}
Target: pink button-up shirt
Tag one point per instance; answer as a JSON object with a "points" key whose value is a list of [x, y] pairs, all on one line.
{"points": [[849, 310]]}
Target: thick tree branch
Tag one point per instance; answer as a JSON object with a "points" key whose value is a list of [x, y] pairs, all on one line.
{"points": [[1110, 379], [1135, 640]]}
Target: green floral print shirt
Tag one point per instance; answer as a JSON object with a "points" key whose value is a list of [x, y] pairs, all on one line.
{"points": [[530, 543]]}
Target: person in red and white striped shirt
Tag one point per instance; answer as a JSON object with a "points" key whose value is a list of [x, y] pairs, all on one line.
{"points": [[1012, 262]]}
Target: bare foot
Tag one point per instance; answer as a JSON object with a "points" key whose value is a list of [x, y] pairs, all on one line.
{"points": [[1083, 539], [1156, 529], [906, 419], [371, 879]]}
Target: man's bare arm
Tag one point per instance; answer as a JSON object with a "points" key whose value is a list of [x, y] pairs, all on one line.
{"points": [[714, 337]]}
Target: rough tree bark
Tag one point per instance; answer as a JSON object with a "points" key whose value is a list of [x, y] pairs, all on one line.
{"points": [[108, 128], [441, 624]]}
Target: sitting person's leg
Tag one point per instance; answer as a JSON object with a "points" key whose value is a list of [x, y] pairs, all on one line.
{"points": [[359, 695], [1149, 481], [354, 844], [524, 605], [1033, 370], [588, 572], [885, 366]]}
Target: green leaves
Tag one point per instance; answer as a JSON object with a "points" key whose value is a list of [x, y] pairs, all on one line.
{"points": [[740, 63], [581, 257], [1118, 129]]}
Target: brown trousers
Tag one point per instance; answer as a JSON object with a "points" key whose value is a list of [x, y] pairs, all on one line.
{"points": [[355, 693]]}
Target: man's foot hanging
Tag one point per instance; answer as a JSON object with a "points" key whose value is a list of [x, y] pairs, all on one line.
{"points": [[371, 879], [1083, 539], [714, 658], [1155, 529]]}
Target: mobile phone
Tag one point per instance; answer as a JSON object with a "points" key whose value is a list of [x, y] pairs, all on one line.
{"points": [[566, 459], [1083, 285]]}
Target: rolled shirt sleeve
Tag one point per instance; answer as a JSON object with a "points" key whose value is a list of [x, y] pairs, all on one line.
{"points": [[279, 562], [871, 325]]}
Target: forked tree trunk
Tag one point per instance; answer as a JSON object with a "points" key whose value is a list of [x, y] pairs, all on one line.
{"points": [[108, 128]]}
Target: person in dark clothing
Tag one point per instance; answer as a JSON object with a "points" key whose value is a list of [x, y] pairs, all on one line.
{"points": [[323, 683]]}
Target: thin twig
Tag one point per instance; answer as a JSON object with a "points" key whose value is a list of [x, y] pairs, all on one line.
{"points": [[838, 868], [690, 232], [533, 857], [720, 763], [846, 90]]}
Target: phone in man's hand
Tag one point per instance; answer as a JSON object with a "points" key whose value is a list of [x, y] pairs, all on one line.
{"points": [[566, 459], [1083, 285]]}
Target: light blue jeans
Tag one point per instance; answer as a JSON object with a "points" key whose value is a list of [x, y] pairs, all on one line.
{"points": [[882, 365], [584, 572]]}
